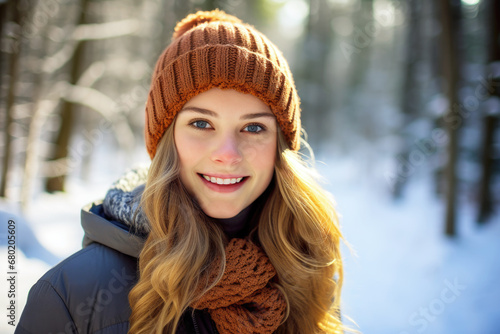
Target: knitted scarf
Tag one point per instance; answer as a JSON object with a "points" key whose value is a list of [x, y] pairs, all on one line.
{"points": [[244, 300]]}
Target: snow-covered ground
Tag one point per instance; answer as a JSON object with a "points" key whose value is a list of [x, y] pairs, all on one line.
{"points": [[403, 275]]}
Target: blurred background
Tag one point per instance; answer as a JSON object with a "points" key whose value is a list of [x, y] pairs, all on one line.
{"points": [[400, 102]]}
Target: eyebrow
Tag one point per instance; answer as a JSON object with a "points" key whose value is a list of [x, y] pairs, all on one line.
{"points": [[214, 114]]}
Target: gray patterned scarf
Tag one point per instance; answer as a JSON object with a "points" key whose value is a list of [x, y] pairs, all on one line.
{"points": [[122, 200]]}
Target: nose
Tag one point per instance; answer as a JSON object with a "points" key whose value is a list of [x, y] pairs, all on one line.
{"points": [[227, 150]]}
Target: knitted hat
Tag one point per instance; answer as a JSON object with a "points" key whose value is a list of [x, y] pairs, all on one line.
{"points": [[214, 49]]}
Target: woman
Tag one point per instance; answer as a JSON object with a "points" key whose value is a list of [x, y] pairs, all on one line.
{"points": [[232, 234]]}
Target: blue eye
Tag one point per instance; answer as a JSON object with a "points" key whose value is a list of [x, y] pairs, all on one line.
{"points": [[201, 124], [254, 128]]}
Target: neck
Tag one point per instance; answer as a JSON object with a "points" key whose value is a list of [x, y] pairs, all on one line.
{"points": [[237, 226]]}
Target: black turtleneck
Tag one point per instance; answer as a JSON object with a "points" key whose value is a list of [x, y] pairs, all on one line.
{"points": [[237, 226]]}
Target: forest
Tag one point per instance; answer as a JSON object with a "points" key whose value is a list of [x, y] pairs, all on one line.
{"points": [[81, 69], [394, 93], [412, 81]]}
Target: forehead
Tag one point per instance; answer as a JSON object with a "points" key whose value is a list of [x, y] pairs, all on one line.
{"points": [[227, 102]]}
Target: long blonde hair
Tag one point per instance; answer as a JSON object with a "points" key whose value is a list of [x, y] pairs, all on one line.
{"points": [[298, 229]]}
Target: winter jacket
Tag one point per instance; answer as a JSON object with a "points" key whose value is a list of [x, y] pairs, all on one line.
{"points": [[88, 292]]}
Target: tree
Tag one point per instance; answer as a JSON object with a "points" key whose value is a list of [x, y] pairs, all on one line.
{"points": [[410, 97], [67, 111], [314, 72], [491, 120], [12, 46], [450, 15]]}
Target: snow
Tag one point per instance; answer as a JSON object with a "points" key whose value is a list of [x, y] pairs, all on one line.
{"points": [[402, 274]]}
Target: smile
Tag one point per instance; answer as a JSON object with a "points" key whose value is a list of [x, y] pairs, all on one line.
{"points": [[223, 184], [219, 180]]}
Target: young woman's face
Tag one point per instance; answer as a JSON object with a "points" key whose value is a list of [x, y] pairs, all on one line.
{"points": [[227, 143]]}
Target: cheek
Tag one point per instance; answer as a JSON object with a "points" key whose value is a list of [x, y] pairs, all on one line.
{"points": [[262, 157], [188, 153], [188, 149], [269, 161]]}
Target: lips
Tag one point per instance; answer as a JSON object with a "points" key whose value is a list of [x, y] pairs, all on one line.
{"points": [[223, 183]]}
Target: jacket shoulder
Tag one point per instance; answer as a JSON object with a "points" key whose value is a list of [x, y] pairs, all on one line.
{"points": [[94, 263], [91, 286]]}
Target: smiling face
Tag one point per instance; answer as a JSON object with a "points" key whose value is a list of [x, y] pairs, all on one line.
{"points": [[226, 142]]}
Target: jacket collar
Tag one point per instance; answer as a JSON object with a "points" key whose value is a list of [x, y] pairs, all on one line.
{"points": [[109, 233]]}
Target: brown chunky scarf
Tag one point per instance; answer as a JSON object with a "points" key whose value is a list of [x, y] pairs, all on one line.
{"points": [[244, 301]]}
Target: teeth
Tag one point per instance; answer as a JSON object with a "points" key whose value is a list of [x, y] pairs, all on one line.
{"points": [[222, 181]]}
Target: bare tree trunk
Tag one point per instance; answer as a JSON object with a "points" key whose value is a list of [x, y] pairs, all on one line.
{"points": [[38, 115], [3, 20], [435, 55], [451, 71], [490, 121], [410, 99], [56, 183], [486, 194], [15, 52], [495, 31], [360, 61], [314, 70]]}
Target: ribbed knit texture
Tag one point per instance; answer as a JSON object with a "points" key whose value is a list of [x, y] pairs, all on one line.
{"points": [[243, 301], [214, 49]]}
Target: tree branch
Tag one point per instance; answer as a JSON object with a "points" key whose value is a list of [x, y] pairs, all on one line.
{"points": [[88, 32], [105, 30], [104, 105]]}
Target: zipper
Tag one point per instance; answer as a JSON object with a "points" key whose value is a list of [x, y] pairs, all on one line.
{"points": [[197, 331], [195, 324]]}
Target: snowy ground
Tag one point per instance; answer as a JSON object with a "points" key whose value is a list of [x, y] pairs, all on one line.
{"points": [[406, 276]]}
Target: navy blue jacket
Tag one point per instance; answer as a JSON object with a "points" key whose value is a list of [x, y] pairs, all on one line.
{"points": [[88, 292]]}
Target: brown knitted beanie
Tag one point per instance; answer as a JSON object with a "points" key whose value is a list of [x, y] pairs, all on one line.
{"points": [[214, 49]]}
